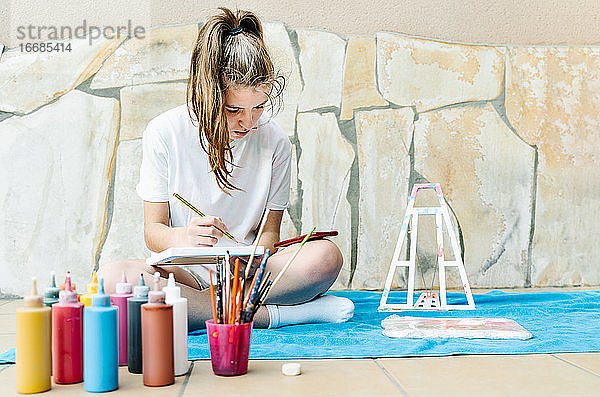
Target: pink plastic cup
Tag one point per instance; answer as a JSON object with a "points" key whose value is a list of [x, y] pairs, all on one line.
{"points": [[229, 347]]}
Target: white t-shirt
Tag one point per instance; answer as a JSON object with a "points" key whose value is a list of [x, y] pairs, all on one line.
{"points": [[174, 162]]}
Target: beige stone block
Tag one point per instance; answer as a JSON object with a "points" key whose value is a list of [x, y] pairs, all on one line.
{"points": [[322, 65], [125, 239], [141, 103], [11, 305], [128, 384], [324, 169], [284, 60], [587, 361], [29, 80], [8, 322], [56, 167], [163, 54], [553, 102], [287, 229], [294, 193], [359, 87], [430, 74], [486, 175], [383, 144], [495, 375], [319, 378], [7, 341]]}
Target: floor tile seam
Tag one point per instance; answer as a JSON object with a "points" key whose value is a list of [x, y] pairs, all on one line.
{"points": [[576, 366], [187, 379], [391, 378]]}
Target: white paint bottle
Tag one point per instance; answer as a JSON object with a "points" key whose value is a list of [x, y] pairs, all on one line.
{"points": [[180, 325]]}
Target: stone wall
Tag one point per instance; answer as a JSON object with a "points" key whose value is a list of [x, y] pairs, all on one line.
{"points": [[511, 133]]}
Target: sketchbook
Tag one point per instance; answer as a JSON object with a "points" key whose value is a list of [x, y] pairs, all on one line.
{"points": [[199, 255]]}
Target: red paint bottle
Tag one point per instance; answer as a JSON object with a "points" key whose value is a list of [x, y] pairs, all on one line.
{"points": [[67, 337]]}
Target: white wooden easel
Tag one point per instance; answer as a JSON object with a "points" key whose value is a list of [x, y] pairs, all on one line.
{"points": [[427, 301]]}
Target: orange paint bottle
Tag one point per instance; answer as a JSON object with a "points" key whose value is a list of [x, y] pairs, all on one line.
{"points": [[158, 364]]}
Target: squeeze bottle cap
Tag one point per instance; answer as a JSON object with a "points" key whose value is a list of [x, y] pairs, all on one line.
{"points": [[67, 296], [156, 295], [171, 290], [52, 291], [33, 300], [73, 286], [101, 299], [123, 287], [92, 287], [141, 290]]}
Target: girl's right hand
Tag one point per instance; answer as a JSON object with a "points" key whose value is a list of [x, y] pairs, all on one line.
{"points": [[203, 231]]}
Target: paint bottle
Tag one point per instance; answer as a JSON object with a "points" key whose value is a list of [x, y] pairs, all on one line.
{"points": [[157, 338], [180, 325], [67, 337], [51, 293], [73, 287], [134, 326], [92, 288], [34, 359], [100, 344], [119, 299]]}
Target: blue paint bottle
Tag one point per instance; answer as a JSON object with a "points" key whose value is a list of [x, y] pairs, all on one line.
{"points": [[100, 344]]}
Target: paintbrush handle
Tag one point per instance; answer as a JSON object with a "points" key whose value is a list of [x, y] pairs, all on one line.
{"points": [[255, 244], [212, 297], [260, 300], [282, 271], [197, 211], [219, 295], [259, 275]]}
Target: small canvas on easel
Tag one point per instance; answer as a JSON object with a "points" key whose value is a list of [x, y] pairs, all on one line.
{"points": [[426, 301]]}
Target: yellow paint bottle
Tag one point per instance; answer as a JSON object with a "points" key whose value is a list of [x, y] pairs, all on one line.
{"points": [[34, 334], [92, 288]]}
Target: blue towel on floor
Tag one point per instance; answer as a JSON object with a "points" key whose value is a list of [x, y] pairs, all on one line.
{"points": [[559, 321], [8, 357]]}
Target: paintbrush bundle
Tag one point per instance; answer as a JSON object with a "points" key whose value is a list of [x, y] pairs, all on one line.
{"points": [[230, 303]]}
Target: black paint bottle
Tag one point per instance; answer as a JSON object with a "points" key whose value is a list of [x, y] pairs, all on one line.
{"points": [[134, 326]]}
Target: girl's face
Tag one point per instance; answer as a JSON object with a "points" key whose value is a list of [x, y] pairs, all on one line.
{"points": [[243, 107]]}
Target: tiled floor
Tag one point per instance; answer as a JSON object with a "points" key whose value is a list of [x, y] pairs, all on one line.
{"points": [[573, 374]]}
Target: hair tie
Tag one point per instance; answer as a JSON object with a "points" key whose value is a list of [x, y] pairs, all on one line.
{"points": [[235, 31]]}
